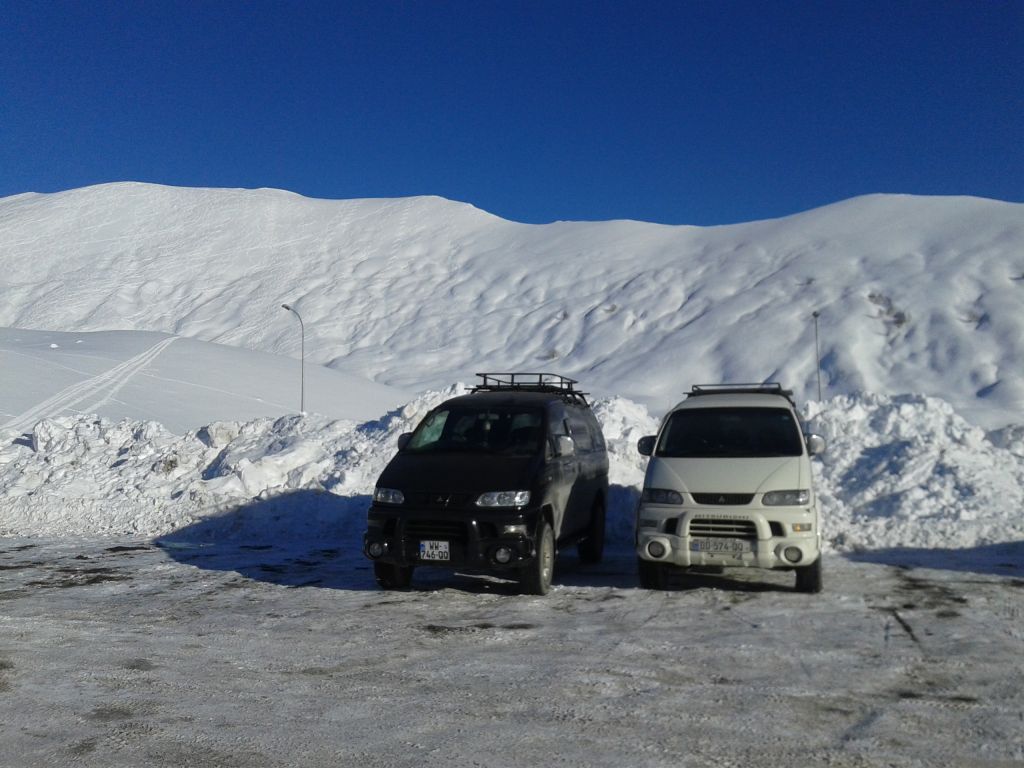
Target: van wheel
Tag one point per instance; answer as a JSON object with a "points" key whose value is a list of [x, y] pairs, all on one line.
{"points": [[392, 576], [536, 578], [808, 578], [652, 575], [591, 548]]}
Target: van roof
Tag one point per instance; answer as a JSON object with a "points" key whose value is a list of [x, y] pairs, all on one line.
{"points": [[510, 398], [735, 400]]}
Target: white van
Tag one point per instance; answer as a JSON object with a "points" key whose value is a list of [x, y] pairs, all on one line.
{"points": [[729, 483]]}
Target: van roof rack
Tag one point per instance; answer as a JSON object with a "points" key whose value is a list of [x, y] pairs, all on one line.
{"points": [[531, 382], [766, 388]]}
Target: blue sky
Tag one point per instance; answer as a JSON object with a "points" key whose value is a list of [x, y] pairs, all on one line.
{"points": [[707, 112]]}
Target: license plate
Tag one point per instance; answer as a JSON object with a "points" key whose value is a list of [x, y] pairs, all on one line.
{"points": [[716, 545], [434, 550]]}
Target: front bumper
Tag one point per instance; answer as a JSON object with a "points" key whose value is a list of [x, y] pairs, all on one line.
{"points": [[474, 539], [733, 537]]}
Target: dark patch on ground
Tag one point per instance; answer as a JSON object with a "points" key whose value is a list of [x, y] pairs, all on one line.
{"points": [[124, 548], [139, 665], [82, 747], [80, 577], [442, 629], [932, 595], [110, 714]]}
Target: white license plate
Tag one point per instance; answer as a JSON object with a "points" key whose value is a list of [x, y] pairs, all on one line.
{"points": [[434, 550], [716, 545]]}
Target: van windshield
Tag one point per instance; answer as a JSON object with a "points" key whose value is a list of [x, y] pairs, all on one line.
{"points": [[480, 430], [730, 432]]}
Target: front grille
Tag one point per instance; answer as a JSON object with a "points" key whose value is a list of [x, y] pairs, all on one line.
{"points": [[438, 500], [724, 499], [735, 529], [448, 530]]}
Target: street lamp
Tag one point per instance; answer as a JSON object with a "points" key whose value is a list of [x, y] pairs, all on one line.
{"points": [[302, 360], [817, 353]]}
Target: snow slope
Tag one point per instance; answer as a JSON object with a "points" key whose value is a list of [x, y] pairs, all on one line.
{"points": [[181, 383], [916, 294]]}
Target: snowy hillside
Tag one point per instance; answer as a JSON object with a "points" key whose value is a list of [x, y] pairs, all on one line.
{"points": [[916, 295]]}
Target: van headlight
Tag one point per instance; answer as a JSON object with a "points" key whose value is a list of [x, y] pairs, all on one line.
{"points": [[388, 496], [786, 498], [504, 499], [661, 496]]}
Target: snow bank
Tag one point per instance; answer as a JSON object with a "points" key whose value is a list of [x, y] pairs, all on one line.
{"points": [[908, 471], [899, 472]]}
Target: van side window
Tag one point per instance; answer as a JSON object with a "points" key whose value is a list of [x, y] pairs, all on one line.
{"points": [[580, 432]]}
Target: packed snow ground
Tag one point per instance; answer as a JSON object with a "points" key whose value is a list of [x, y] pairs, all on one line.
{"points": [[119, 654]]}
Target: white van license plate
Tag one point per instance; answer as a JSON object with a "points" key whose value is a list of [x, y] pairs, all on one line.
{"points": [[434, 550], [716, 545]]}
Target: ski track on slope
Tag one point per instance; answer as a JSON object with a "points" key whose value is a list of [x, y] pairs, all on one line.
{"points": [[104, 386]]}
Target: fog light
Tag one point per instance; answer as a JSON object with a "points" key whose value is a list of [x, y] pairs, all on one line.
{"points": [[793, 554], [375, 549], [503, 555], [656, 549]]}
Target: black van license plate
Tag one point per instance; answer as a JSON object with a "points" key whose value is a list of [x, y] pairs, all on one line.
{"points": [[434, 550]]}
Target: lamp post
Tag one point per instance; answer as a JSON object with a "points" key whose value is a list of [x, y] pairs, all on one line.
{"points": [[817, 353], [302, 359]]}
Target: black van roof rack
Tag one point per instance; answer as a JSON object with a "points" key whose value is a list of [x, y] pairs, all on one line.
{"points": [[531, 382], [767, 388]]}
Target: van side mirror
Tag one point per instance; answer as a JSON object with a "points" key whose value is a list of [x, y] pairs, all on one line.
{"points": [[645, 445], [403, 440], [815, 444], [564, 446]]}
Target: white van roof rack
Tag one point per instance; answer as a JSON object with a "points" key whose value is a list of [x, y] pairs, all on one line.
{"points": [[766, 388]]}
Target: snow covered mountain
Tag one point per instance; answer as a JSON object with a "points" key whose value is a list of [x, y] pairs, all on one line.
{"points": [[915, 294]]}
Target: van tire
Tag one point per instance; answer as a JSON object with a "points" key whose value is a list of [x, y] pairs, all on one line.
{"points": [[392, 576], [536, 578], [591, 548], [808, 578], [652, 575]]}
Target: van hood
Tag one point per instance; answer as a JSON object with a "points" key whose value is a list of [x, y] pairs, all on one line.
{"points": [[778, 473], [457, 473]]}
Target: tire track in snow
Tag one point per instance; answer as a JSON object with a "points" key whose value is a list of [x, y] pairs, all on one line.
{"points": [[111, 380]]}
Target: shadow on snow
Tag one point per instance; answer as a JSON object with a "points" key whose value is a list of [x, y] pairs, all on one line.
{"points": [[1006, 559], [315, 539]]}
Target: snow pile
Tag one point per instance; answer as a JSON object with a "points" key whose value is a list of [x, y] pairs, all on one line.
{"points": [[899, 472], [85, 475], [908, 471]]}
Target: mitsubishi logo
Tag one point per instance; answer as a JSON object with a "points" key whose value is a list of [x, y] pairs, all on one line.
{"points": [[442, 501], [721, 499]]}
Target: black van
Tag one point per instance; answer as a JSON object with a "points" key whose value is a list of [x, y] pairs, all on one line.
{"points": [[493, 481]]}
